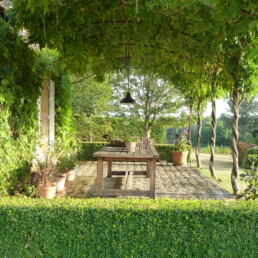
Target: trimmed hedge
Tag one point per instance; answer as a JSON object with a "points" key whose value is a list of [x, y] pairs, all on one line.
{"points": [[127, 228], [88, 148], [165, 151]]}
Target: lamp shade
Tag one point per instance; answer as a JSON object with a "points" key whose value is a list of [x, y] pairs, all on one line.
{"points": [[128, 100]]}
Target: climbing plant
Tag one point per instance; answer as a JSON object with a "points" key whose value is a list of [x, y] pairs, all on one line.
{"points": [[20, 82], [64, 123], [21, 74]]}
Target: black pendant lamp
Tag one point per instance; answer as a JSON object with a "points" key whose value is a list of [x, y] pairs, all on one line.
{"points": [[128, 100]]}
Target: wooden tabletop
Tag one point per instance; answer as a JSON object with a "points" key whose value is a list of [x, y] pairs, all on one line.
{"points": [[109, 151]]}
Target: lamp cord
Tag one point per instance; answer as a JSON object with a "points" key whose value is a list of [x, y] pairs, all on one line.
{"points": [[127, 67]]}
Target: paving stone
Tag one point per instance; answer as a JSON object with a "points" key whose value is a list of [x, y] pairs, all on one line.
{"points": [[171, 181]]}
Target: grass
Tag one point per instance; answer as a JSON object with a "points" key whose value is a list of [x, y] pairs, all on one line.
{"points": [[218, 150], [127, 228], [223, 167]]}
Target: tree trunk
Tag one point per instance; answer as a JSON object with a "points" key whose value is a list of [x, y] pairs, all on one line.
{"points": [[147, 133], [198, 143], [235, 167], [189, 133], [190, 123], [213, 139], [90, 133]]}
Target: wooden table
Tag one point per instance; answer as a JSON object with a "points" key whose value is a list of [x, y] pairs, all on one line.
{"points": [[111, 154]]}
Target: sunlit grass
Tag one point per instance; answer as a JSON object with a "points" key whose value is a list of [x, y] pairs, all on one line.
{"points": [[223, 168], [218, 150]]}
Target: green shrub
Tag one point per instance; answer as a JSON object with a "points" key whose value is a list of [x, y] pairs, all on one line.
{"points": [[251, 155], [88, 148], [127, 228], [253, 150], [251, 160], [250, 176]]}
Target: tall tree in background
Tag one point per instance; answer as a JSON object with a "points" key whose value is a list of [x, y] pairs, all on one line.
{"points": [[90, 98], [156, 101]]}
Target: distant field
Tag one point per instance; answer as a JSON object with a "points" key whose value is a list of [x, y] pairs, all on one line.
{"points": [[223, 166]]}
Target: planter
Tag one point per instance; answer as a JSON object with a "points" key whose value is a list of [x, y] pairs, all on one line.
{"points": [[130, 146], [179, 158], [47, 192], [60, 182], [162, 162], [70, 175]]}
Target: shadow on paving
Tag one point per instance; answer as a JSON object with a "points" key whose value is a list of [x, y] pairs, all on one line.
{"points": [[171, 181]]}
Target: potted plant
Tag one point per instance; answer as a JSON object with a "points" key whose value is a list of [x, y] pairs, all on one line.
{"points": [[66, 165], [46, 167], [130, 143], [60, 176], [180, 152]]}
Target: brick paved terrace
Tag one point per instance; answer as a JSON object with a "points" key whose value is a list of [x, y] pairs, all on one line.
{"points": [[174, 182]]}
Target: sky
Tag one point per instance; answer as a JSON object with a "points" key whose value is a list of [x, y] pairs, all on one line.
{"points": [[221, 107]]}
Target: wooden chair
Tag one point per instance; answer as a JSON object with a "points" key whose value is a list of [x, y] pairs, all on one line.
{"points": [[145, 143]]}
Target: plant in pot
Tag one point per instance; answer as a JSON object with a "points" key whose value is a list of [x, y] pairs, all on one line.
{"points": [[66, 165], [180, 152], [130, 143], [60, 176], [46, 167]]}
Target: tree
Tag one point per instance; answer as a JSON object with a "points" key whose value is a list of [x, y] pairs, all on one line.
{"points": [[248, 120], [156, 101], [90, 98], [240, 73]]}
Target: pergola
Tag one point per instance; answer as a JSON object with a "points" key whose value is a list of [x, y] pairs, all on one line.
{"points": [[172, 38]]}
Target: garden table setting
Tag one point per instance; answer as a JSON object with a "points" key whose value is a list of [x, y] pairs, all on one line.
{"points": [[111, 154]]}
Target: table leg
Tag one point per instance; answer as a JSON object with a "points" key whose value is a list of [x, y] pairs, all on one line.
{"points": [[148, 169], [109, 168], [152, 165], [99, 176]]}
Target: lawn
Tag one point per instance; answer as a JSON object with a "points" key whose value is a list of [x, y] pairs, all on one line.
{"points": [[223, 167]]}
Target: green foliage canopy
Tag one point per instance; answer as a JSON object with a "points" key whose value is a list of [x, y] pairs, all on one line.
{"points": [[162, 33]]}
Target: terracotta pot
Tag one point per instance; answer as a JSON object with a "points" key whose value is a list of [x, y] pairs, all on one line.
{"points": [[70, 175], [47, 192], [179, 158], [130, 146], [60, 182]]}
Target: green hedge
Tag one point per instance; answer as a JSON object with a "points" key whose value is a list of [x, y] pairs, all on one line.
{"points": [[88, 148], [165, 151], [127, 228], [251, 156]]}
